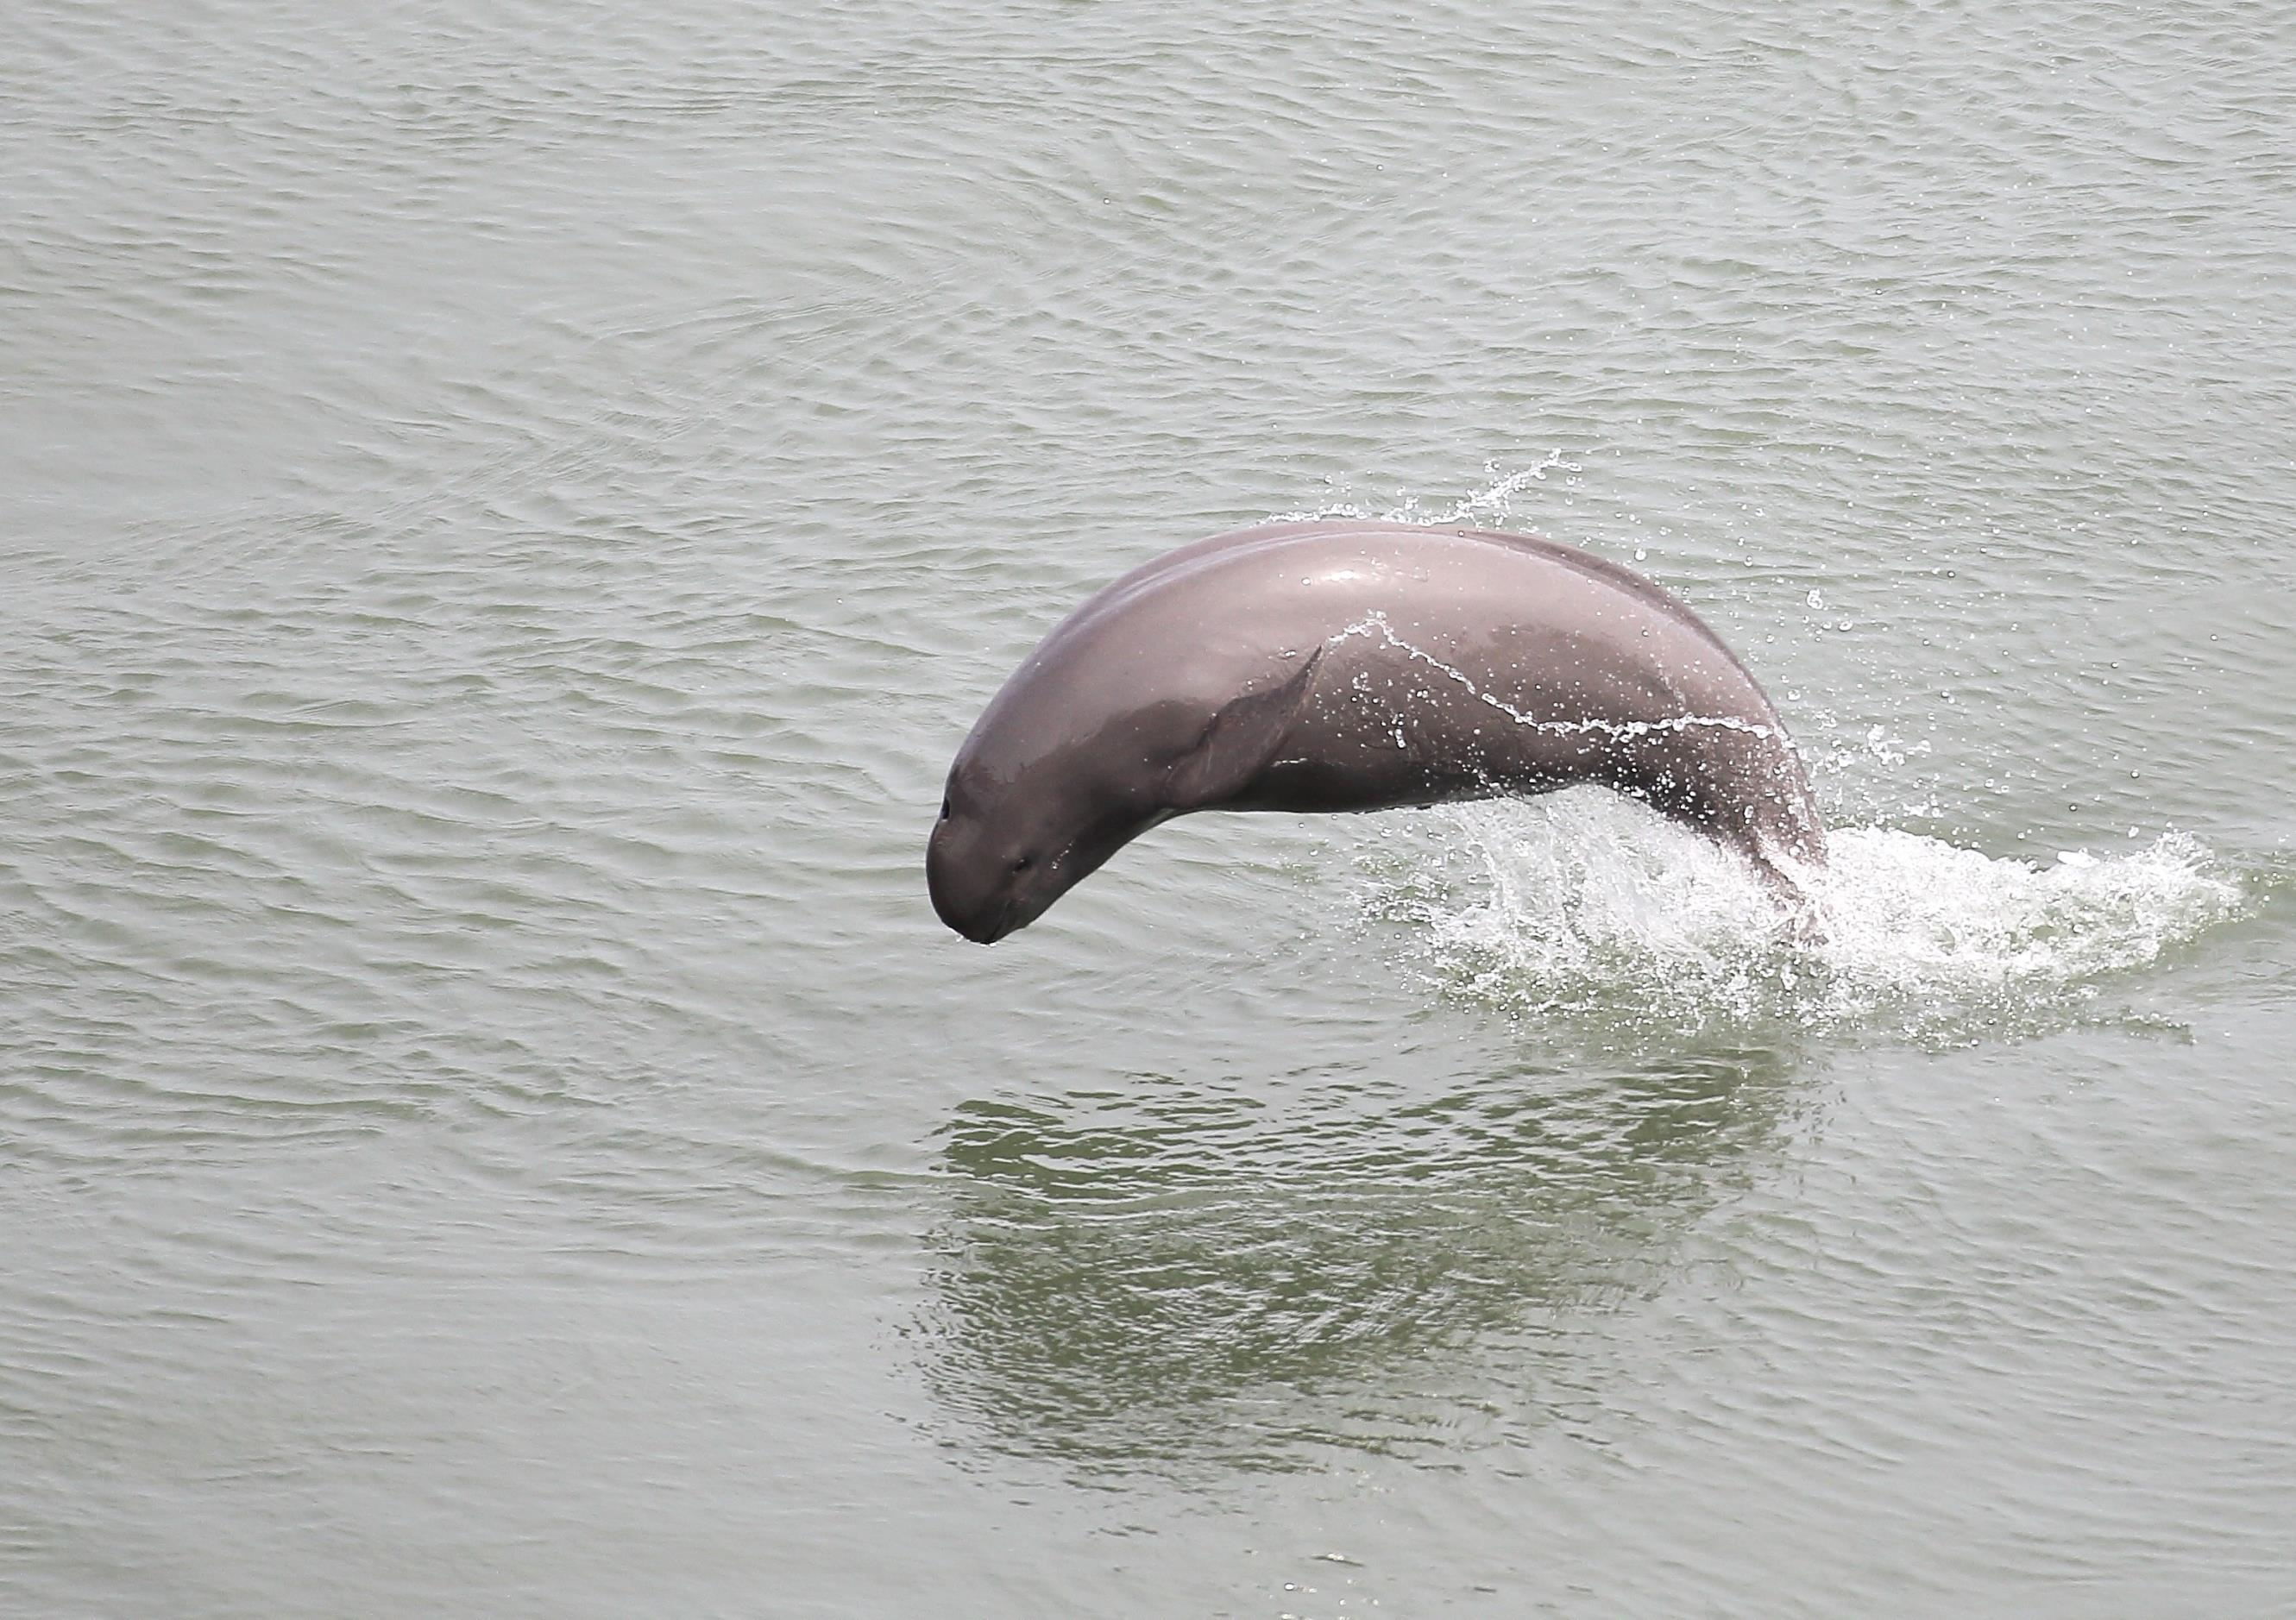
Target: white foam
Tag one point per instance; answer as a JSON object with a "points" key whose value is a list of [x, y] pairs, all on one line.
{"points": [[1582, 906]]}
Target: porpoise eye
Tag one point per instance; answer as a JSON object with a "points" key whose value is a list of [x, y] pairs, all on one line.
{"points": [[943, 809], [1024, 862]]}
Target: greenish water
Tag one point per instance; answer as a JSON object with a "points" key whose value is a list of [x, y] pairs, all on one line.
{"points": [[505, 516]]}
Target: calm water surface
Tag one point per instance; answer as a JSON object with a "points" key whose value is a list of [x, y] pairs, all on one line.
{"points": [[506, 512]]}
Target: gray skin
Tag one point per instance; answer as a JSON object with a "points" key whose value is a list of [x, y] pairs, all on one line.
{"points": [[1356, 666]]}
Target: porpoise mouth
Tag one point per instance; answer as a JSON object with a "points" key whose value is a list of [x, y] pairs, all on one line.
{"points": [[983, 924], [987, 928]]}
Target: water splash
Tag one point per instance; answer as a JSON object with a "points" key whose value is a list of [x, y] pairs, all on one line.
{"points": [[1586, 908], [1376, 625], [1485, 508]]}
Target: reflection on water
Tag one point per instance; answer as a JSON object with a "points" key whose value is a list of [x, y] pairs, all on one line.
{"points": [[1177, 1273]]}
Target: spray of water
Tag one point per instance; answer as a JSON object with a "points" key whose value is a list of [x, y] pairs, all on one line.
{"points": [[1583, 907], [1488, 507]]}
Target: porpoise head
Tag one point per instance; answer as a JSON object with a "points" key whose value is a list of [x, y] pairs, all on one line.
{"points": [[1005, 848], [1049, 786]]}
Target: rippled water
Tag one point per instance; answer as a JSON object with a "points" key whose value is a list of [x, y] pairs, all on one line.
{"points": [[505, 515]]}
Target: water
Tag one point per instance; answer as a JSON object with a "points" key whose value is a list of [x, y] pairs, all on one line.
{"points": [[505, 517]]}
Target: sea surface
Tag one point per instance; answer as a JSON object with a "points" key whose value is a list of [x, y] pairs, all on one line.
{"points": [[506, 512]]}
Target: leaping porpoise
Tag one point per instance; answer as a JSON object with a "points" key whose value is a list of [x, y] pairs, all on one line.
{"points": [[1356, 666]]}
